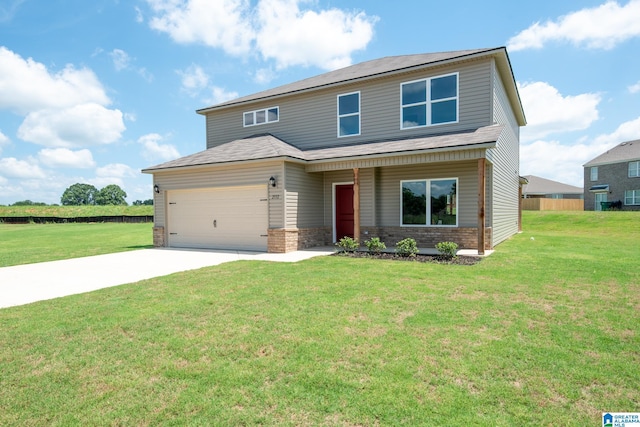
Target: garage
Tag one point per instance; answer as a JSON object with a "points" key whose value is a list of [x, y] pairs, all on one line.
{"points": [[218, 218]]}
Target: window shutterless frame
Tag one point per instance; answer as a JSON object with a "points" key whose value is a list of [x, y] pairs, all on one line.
{"points": [[429, 202], [634, 169], [430, 101], [348, 109], [260, 117]]}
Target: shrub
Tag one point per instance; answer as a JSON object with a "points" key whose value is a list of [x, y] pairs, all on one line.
{"points": [[407, 247], [348, 244], [375, 245], [447, 249]]}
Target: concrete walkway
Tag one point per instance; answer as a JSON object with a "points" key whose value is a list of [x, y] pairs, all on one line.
{"points": [[24, 284]]}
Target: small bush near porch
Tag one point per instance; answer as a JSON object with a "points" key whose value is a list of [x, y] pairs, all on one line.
{"points": [[544, 331]]}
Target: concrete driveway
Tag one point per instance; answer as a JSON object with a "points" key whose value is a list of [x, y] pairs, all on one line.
{"points": [[23, 284]]}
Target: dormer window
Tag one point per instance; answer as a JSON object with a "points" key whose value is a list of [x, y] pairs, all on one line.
{"points": [[260, 117], [429, 101]]}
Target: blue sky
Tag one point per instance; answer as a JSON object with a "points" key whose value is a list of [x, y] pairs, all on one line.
{"points": [[94, 91]]}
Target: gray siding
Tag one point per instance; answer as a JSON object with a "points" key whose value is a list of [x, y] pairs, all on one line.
{"points": [[388, 201], [505, 157], [309, 121], [223, 176], [303, 198]]}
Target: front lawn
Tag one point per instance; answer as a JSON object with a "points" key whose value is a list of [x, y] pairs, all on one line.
{"points": [[546, 331], [29, 243]]}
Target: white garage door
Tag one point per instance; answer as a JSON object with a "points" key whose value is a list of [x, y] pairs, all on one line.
{"points": [[218, 218]]}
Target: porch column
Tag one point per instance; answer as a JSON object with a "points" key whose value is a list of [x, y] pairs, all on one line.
{"points": [[481, 204], [356, 204]]}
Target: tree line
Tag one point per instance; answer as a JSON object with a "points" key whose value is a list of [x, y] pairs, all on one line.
{"points": [[86, 194]]}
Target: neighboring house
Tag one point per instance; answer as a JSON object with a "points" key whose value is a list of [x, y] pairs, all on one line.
{"points": [[537, 187], [612, 180], [423, 146]]}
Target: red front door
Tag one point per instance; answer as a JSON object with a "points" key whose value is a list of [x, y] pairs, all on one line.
{"points": [[344, 211]]}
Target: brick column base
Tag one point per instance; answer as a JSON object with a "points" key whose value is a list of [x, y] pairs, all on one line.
{"points": [[158, 237]]}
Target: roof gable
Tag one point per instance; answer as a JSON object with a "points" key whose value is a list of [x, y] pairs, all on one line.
{"points": [[623, 152]]}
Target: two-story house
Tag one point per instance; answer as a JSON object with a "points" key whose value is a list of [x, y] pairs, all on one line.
{"points": [[612, 180], [423, 146]]}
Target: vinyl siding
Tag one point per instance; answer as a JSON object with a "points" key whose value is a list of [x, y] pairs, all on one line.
{"points": [[504, 157], [303, 198], [309, 121], [223, 176], [388, 201]]}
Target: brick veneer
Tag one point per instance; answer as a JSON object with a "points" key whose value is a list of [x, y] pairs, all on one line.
{"points": [[293, 239], [283, 240], [158, 237], [428, 237]]}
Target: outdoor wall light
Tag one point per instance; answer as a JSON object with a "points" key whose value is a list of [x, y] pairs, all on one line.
{"points": [[272, 181], [156, 189]]}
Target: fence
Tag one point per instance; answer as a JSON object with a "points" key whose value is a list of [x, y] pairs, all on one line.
{"points": [[84, 219], [539, 204]]}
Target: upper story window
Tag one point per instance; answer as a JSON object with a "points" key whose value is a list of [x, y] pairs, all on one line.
{"points": [[594, 173], [260, 117], [349, 114], [634, 169], [429, 101]]}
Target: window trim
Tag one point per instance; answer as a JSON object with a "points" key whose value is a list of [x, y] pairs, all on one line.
{"points": [[593, 173], [635, 197], [339, 116], [428, 182], [429, 102], [254, 114], [637, 169]]}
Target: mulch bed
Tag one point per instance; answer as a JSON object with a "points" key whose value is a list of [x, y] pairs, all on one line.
{"points": [[438, 259]]}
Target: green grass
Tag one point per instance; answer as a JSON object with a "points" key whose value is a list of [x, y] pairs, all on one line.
{"points": [[543, 332], [74, 211], [29, 243]]}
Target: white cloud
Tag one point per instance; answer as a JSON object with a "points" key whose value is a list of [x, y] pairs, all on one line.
{"points": [[627, 131], [78, 126], [139, 16], [4, 140], [549, 112], [600, 27], [264, 76], [325, 39], [121, 59], [221, 24], [22, 169], [277, 30], [63, 158], [563, 162], [635, 88], [116, 170], [153, 150], [8, 10], [194, 79], [30, 86], [219, 95]]}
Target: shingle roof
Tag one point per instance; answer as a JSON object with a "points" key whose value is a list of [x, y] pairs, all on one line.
{"points": [[365, 69], [267, 146], [623, 152], [538, 185]]}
